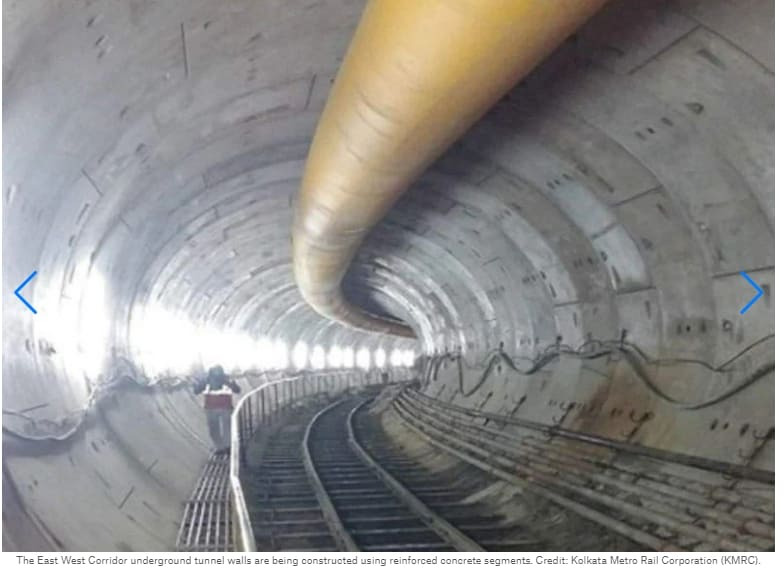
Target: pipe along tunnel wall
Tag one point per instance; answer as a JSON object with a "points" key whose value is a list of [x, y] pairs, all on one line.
{"points": [[579, 247]]}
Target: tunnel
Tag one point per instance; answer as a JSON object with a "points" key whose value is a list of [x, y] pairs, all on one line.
{"points": [[575, 270]]}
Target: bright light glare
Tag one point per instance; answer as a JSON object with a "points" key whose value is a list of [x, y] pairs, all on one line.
{"points": [[266, 353], [380, 358], [238, 351], [317, 358], [299, 355], [93, 325], [280, 355], [396, 359], [167, 342], [402, 358], [77, 327], [335, 357], [363, 359], [348, 358]]}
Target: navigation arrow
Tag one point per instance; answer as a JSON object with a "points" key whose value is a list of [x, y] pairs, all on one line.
{"points": [[21, 286], [760, 292]]}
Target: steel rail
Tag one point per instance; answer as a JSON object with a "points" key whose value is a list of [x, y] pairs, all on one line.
{"points": [[641, 537], [739, 471], [342, 537], [437, 523], [540, 457], [678, 516], [723, 529], [700, 492], [502, 456], [245, 538]]}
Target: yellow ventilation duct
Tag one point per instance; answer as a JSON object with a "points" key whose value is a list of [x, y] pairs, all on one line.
{"points": [[417, 75]]}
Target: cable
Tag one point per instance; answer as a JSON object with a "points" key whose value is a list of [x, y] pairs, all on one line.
{"points": [[593, 349], [98, 393]]}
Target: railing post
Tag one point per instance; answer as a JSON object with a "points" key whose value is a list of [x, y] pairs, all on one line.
{"points": [[243, 435], [250, 421], [248, 418], [241, 419], [259, 416], [263, 411]]}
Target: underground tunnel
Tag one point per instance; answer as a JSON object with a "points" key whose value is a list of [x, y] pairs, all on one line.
{"points": [[510, 317]]}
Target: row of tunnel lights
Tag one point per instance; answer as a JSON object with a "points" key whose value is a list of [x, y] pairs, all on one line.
{"points": [[168, 343], [346, 357], [165, 342], [267, 354]]}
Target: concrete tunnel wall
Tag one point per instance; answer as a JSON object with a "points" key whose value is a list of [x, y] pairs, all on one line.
{"points": [[151, 156]]}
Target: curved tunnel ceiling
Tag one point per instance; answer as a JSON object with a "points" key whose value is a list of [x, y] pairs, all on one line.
{"points": [[153, 153]]}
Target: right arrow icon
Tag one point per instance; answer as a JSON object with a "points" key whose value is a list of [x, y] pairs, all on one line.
{"points": [[760, 292]]}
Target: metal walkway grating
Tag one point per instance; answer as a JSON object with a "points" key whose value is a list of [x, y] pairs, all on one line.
{"points": [[206, 521]]}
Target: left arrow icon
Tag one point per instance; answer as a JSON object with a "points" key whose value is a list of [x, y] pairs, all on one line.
{"points": [[21, 286]]}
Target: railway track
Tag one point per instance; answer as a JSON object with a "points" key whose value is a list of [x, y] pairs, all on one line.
{"points": [[662, 501], [333, 482], [284, 510]]}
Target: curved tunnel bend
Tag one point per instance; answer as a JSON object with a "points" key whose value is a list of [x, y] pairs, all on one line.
{"points": [[573, 259]]}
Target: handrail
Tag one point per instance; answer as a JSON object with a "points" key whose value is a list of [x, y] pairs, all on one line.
{"points": [[240, 507]]}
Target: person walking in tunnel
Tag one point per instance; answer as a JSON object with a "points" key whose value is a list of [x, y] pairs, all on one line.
{"points": [[218, 389]]}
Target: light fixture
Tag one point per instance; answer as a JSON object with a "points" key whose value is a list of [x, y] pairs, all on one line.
{"points": [[363, 358], [280, 355], [317, 358], [299, 355], [395, 359], [348, 358], [380, 358], [335, 357]]}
